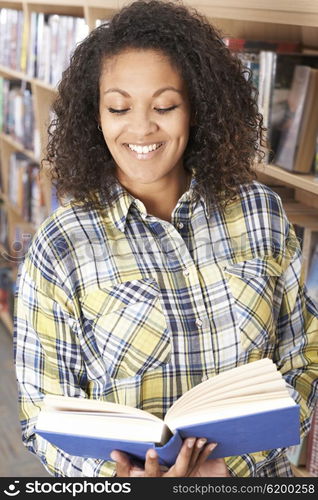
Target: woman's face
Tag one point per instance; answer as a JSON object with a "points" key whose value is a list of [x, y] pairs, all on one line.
{"points": [[144, 116]]}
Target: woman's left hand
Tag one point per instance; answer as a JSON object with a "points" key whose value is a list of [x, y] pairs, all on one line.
{"points": [[212, 468], [199, 465]]}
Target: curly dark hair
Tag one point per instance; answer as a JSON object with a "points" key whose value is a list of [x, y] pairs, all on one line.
{"points": [[225, 139]]}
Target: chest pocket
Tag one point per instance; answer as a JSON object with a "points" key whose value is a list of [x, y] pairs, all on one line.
{"points": [[129, 326], [252, 284]]}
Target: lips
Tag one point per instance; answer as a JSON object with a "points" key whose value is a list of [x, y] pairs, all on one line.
{"points": [[146, 156], [144, 148]]}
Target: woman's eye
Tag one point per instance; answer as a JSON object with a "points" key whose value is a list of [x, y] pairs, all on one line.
{"points": [[165, 110], [112, 110], [159, 110]]}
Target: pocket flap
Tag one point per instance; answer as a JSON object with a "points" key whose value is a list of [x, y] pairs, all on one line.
{"points": [[109, 299], [255, 268]]}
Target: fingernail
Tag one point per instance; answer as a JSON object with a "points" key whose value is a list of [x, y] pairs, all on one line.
{"points": [[212, 446], [201, 442], [191, 442], [113, 456], [152, 454]]}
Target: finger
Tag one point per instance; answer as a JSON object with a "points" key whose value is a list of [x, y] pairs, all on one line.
{"points": [[198, 448], [123, 463], [180, 468], [152, 467], [136, 472], [207, 450]]}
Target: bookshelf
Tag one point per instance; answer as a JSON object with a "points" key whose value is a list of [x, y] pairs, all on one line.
{"points": [[301, 471], [293, 20]]}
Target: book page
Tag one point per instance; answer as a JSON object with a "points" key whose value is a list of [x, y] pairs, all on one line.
{"points": [[251, 399], [65, 403], [264, 391], [244, 376], [101, 425]]}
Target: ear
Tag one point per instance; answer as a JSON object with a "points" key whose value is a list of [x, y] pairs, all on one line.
{"points": [[193, 120]]}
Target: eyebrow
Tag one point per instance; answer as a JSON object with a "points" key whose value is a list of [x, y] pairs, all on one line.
{"points": [[158, 92]]}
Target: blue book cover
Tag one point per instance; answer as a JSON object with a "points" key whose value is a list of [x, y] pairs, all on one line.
{"points": [[235, 436]]}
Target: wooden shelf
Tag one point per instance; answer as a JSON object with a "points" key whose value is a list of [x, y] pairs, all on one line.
{"points": [[18, 75], [16, 146], [300, 13], [12, 73], [306, 182], [12, 4], [301, 471], [67, 7]]}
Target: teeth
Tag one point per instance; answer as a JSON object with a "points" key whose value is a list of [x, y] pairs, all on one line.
{"points": [[144, 149]]}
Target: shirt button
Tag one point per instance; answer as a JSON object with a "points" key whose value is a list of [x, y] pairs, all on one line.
{"points": [[180, 225], [198, 322], [186, 272]]}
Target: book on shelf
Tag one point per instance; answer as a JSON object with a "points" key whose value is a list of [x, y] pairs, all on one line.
{"points": [[315, 162], [312, 277], [1, 103], [11, 38], [304, 220], [2, 188], [7, 288], [312, 446], [248, 45], [55, 202], [259, 57], [24, 189], [4, 227], [243, 410], [275, 73], [52, 40], [17, 112], [297, 141]]}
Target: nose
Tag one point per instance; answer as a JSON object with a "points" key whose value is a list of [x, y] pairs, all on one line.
{"points": [[142, 123]]}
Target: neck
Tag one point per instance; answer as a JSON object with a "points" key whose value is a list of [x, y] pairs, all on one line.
{"points": [[161, 198]]}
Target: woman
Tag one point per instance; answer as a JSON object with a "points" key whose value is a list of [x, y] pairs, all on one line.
{"points": [[169, 264]]}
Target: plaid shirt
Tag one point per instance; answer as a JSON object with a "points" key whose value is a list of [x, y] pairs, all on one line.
{"points": [[122, 306]]}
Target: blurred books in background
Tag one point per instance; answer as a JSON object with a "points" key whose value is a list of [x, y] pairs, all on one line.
{"points": [[285, 78]]}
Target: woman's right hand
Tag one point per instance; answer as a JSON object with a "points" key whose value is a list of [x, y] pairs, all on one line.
{"points": [[193, 454]]}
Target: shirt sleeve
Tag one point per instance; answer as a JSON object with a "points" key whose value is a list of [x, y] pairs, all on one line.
{"points": [[48, 359], [296, 356]]}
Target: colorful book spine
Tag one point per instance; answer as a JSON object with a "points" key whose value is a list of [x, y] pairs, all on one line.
{"points": [[52, 41], [11, 29], [246, 45]]}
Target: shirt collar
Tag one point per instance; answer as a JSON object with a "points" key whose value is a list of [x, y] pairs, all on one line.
{"points": [[122, 201]]}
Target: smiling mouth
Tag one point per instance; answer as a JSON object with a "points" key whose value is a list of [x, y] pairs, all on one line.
{"points": [[144, 152]]}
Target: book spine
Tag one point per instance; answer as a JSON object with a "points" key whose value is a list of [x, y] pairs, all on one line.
{"points": [[286, 151], [32, 46], [315, 166], [312, 451]]}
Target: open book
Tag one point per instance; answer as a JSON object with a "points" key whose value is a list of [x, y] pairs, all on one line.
{"points": [[245, 409]]}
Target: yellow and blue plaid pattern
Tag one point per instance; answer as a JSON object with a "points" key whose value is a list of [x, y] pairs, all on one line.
{"points": [[120, 305]]}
